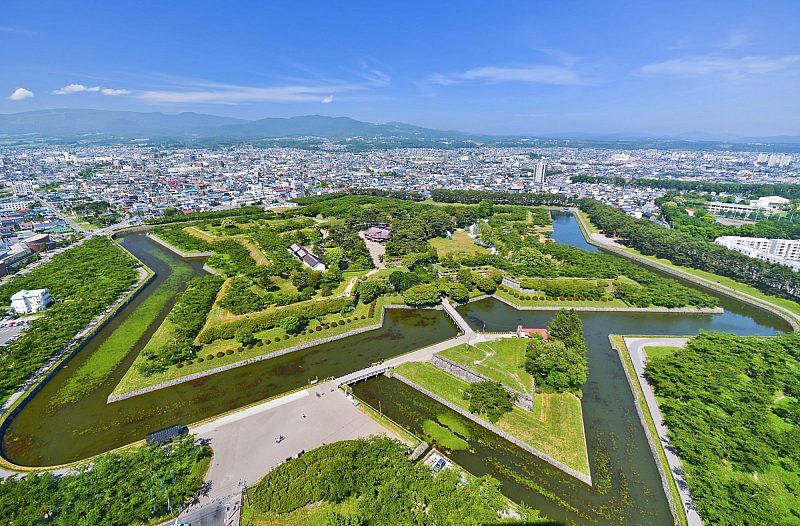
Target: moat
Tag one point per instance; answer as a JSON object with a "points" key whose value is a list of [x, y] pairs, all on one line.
{"points": [[627, 485]]}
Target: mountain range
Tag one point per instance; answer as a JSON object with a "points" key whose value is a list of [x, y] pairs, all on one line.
{"points": [[107, 126], [80, 123]]}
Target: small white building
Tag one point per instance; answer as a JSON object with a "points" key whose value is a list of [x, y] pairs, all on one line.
{"points": [[29, 301]]}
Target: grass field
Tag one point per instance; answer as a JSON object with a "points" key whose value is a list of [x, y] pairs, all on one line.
{"points": [[460, 243], [501, 361], [102, 363], [555, 427], [656, 351], [258, 256]]}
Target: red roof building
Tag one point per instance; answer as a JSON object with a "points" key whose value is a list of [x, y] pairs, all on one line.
{"points": [[522, 332]]}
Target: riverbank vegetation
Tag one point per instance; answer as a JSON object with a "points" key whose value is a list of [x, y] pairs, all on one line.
{"points": [[554, 427], [102, 363], [372, 482], [127, 487], [731, 406], [76, 301]]}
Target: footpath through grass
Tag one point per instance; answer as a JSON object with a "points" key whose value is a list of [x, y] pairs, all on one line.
{"points": [[555, 427], [102, 363], [459, 243], [501, 360]]}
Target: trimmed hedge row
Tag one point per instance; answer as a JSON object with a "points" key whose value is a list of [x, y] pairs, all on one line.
{"points": [[270, 318]]}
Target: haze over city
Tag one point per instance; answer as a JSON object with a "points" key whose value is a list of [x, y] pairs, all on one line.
{"points": [[717, 69]]}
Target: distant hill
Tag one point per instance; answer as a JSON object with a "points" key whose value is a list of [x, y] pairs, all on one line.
{"points": [[71, 124], [74, 124]]}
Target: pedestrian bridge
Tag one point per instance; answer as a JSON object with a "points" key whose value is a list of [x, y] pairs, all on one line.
{"points": [[460, 322]]}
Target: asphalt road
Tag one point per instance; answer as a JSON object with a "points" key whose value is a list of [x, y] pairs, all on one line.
{"points": [[639, 358]]}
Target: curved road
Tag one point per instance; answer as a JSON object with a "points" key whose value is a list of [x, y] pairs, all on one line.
{"points": [[635, 348]]}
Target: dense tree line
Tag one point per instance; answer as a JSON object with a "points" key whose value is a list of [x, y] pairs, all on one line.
{"points": [[442, 195], [731, 406], [251, 211], [187, 318], [385, 488], [127, 487], [559, 363], [684, 249], [83, 281], [788, 190], [373, 192]]}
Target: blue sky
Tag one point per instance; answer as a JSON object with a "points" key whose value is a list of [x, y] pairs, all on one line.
{"points": [[718, 68]]}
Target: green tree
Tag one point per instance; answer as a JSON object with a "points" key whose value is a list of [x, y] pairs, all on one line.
{"points": [[244, 336], [401, 281], [368, 291], [485, 209], [490, 399], [422, 295], [292, 324]]}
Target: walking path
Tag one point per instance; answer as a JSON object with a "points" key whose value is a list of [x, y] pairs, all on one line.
{"points": [[376, 250], [639, 358]]}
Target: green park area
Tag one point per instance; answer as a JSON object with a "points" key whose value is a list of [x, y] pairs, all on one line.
{"points": [[554, 427], [372, 482], [738, 441], [262, 299]]}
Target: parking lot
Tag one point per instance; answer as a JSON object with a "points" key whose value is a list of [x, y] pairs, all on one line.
{"points": [[11, 329]]}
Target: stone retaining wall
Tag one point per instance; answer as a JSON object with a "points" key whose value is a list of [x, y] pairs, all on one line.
{"points": [[521, 400], [175, 250], [650, 442], [583, 477], [194, 376]]}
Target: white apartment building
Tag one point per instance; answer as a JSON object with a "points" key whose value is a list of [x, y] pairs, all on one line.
{"points": [[781, 251], [22, 187], [29, 301], [772, 203]]}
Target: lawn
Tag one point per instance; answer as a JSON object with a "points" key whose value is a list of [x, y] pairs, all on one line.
{"points": [[255, 252], [460, 243], [656, 351], [500, 360], [554, 428]]}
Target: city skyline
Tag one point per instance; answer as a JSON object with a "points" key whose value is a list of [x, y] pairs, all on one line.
{"points": [[718, 70]]}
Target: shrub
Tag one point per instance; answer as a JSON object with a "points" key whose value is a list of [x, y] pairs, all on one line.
{"points": [[179, 365], [200, 359], [341, 322], [260, 343], [209, 356], [248, 346], [188, 363], [267, 341], [240, 349], [230, 351], [277, 338], [318, 328], [220, 354]]}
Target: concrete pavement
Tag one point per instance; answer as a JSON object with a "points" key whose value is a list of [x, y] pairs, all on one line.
{"points": [[639, 358]]}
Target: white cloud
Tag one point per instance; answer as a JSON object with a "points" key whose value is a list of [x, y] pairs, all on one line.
{"points": [[21, 94], [703, 65], [75, 88], [327, 100], [560, 75], [111, 92], [735, 39], [211, 93]]}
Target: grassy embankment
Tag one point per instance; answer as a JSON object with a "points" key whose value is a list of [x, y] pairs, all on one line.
{"points": [[460, 243], [101, 364], [618, 343], [616, 302], [725, 282], [279, 340], [500, 360], [555, 427]]}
